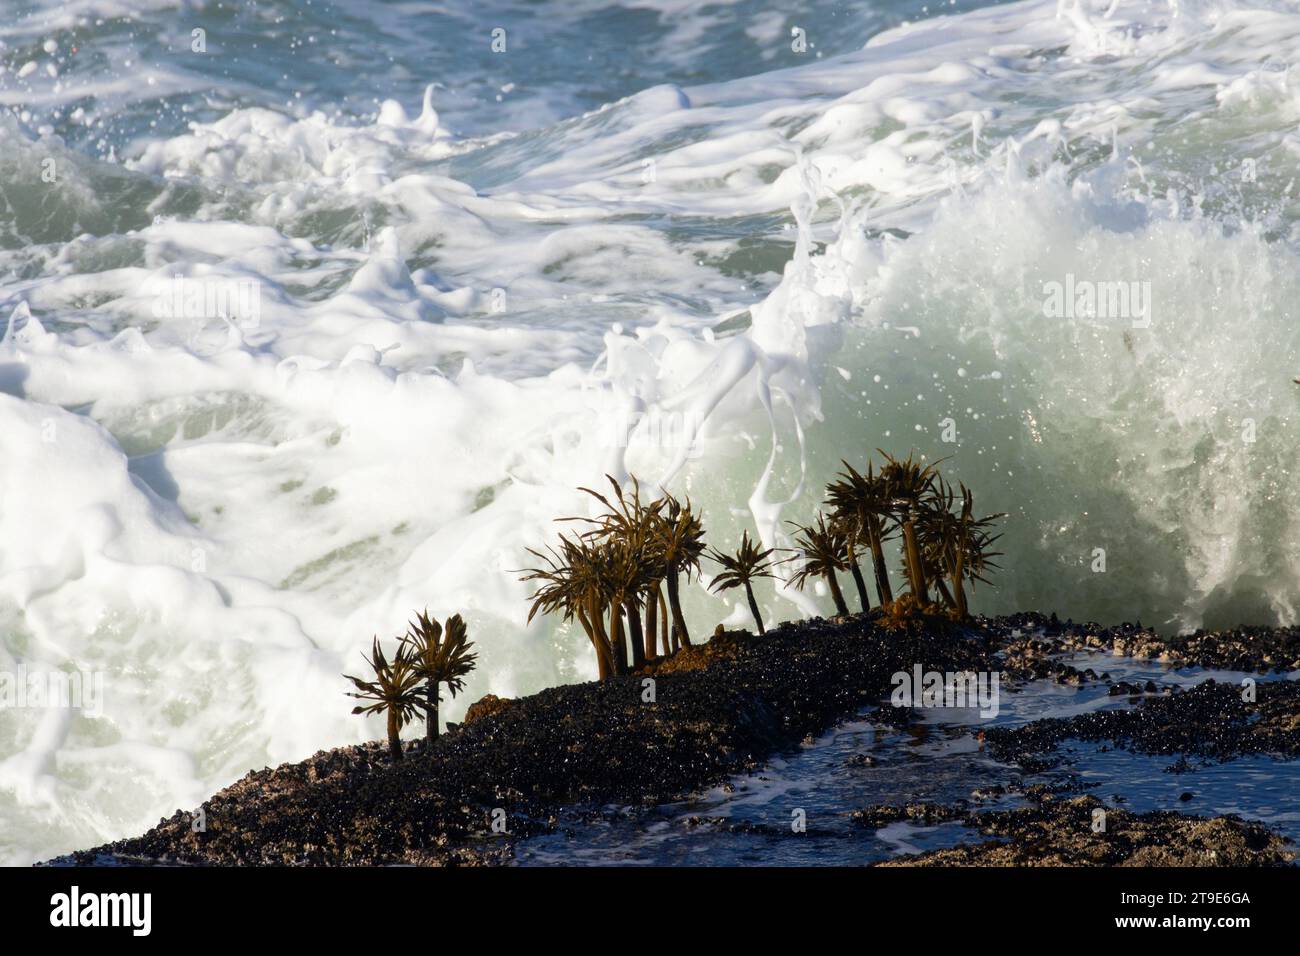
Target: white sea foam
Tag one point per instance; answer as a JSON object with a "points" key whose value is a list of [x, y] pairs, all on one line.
{"points": [[454, 334]]}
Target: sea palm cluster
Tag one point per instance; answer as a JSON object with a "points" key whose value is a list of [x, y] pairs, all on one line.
{"points": [[612, 576], [619, 577], [944, 546], [428, 655]]}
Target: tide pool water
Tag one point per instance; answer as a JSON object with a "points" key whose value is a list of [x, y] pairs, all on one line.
{"points": [[315, 315]]}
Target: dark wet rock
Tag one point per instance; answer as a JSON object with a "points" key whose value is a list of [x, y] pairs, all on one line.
{"points": [[719, 711], [898, 718], [1126, 689], [926, 814], [1211, 720], [1026, 658], [1036, 793], [1257, 649], [1070, 833], [1031, 764]]}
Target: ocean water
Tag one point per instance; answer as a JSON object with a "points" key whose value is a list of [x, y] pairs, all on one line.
{"points": [[319, 315]]}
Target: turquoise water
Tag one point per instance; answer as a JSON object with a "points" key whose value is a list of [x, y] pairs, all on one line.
{"points": [[344, 57]]}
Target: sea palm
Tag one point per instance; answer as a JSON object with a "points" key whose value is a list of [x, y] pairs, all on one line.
{"points": [[623, 575], [678, 537], [938, 531], [861, 504], [667, 539], [441, 656], [974, 560], [572, 585], [956, 544], [634, 563], [394, 691], [825, 551], [743, 568], [908, 485], [854, 538]]}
